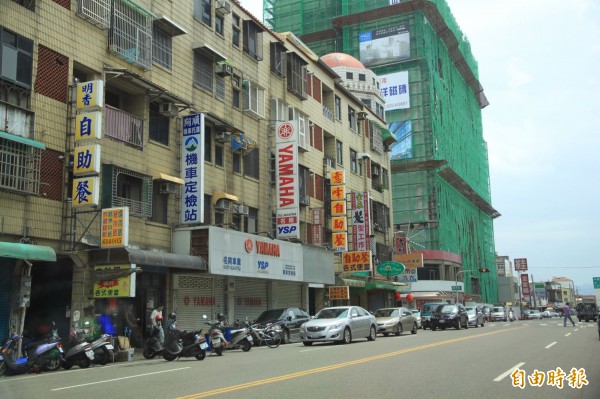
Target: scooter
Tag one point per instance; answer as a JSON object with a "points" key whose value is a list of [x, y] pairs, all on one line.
{"points": [[103, 349], [511, 316], [30, 343], [238, 338], [184, 344], [79, 353], [153, 345], [45, 356]]}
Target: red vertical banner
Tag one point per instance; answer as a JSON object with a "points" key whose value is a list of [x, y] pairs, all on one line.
{"points": [[400, 245], [525, 284]]}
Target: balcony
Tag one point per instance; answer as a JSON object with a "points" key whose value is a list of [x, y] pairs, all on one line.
{"points": [[327, 113], [124, 127]]}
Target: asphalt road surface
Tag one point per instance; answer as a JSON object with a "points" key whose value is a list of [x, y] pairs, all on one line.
{"points": [[525, 359]]}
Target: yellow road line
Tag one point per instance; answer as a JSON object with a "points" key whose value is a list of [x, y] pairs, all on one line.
{"points": [[335, 366]]}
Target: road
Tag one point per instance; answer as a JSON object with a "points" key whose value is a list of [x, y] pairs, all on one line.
{"points": [[472, 363]]}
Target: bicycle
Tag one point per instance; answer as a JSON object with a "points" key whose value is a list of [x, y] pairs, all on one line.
{"points": [[269, 334]]}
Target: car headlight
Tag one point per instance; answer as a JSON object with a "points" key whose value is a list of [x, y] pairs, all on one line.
{"points": [[303, 327], [337, 325]]}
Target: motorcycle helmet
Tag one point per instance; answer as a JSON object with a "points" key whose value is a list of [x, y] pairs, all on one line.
{"points": [[173, 316], [221, 317], [158, 318]]}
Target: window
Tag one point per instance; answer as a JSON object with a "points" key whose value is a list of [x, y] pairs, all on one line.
{"points": [[96, 12], [362, 77], [254, 98], [253, 40], [251, 221], [220, 87], [338, 149], [304, 184], [28, 4], [353, 161], [158, 125], [16, 58], [203, 71], [219, 24], [219, 155], [160, 204], [132, 189], [297, 76], [202, 11], [338, 108], [385, 182], [235, 35], [349, 75], [380, 214], [20, 166], [130, 36], [235, 91], [162, 48], [366, 101], [237, 163], [278, 62], [252, 164], [351, 118], [207, 143]]}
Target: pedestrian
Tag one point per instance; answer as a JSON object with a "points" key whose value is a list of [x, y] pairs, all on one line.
{"points": [[567, 314], [131, 325], [156, 312]]}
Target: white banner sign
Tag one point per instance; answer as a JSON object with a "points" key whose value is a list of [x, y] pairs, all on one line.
{"points": [[288, 190], [394, 88]]}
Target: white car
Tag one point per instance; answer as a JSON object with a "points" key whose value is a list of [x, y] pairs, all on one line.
{"points": [[339, 323], [417, 315], [534, 314]]}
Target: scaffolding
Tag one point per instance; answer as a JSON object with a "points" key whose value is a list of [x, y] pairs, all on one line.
{"points": [[440, 171]]}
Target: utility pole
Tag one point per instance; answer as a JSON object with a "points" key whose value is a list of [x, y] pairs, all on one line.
{"points": [[534, 298]]}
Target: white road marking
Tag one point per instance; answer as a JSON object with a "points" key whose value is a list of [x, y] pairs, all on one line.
{"points": [[566, 335], [503, 375], [119, 379], [551, 345]]}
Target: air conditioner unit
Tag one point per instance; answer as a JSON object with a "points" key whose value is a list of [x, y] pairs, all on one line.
{"points": [[362, 116], [223, 7], [168, 109], [223, 204], [224, 69], [168, 188], [375, 172], [221, 137], [241, 209]]}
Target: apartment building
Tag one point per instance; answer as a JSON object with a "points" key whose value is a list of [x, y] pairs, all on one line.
{"points": [[179, 153]]}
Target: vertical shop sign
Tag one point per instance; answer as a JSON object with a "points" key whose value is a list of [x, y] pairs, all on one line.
{"points": [[192, 169]]}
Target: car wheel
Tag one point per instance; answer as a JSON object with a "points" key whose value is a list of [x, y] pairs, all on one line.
{"points": [[414, 329], [467, 324], [285, 337], [476, 325], [399, 331], [307, 343], [347, 338], [433, 328], [457, 326], [482, 323], [444, 328], [373, 334]]}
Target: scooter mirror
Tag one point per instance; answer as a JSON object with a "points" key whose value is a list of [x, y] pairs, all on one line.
{"points": [[204, 317]]}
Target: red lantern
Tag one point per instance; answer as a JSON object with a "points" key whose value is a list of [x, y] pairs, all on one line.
{"points": [[409, 297], [397, 296]]}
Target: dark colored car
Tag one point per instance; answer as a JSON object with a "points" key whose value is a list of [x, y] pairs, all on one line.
{"points": [[426, 312], [449, 315], [293, 318]]}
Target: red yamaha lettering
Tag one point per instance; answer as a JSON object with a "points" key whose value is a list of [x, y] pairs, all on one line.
{"points": [[287, 179], [267, 248]]}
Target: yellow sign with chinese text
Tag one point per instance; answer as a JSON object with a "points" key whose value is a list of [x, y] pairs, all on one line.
{"points": [[86, 191], [339, 292], [86, 160], [112, 284], [88, 126], [338, 192], [337, 177], [355, 261], [90, 94], [339, 242], [338, 223], [414, 259], [338, 208], [115, 227]]}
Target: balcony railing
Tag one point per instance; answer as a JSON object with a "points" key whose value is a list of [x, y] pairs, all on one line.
{"points": [[327, 113], [124, 127]]}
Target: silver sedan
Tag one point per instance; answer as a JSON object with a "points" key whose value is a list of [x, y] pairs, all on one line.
{"points": [[339, 323], [395, 321]]}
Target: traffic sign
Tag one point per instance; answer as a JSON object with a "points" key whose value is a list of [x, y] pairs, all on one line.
{"points": [[456, 288], [596, 282]]}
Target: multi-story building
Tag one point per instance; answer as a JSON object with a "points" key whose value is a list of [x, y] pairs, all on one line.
{"points": [[440, 172], [179, 153]]}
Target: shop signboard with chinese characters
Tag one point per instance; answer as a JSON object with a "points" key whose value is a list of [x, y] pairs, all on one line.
{"points": [[414, 259], [360, 219], [87, 160], [90, 94], [192, 169], [525, 284], [86, 191], [400, 245], [287, 180], [339, 237], [521, 265], [317, 226], [115, 227], [409, 275], [88, 126], [114, 286], [339, 292], [356, 261]]}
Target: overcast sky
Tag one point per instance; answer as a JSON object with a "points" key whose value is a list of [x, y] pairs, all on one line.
{"points": [[539, 64]]}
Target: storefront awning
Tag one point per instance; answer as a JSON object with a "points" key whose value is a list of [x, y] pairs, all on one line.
{"points": [[22, 140], [433, 294], [150, 258], [383, 286], [165, 177], [27, 251], [352, 283], [217, 195]]}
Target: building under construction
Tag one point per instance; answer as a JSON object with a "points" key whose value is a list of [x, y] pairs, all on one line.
{"points": [[440, 172]]}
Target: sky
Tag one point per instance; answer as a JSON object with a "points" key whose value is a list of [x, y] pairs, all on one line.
{"points": [[539, 65]]}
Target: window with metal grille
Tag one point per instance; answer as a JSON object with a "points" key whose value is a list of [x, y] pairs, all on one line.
{"points": [[96, 12], [252, 164], [19, 166], [130, 36], [253, 40], [376, 137], [297, 76], [380, 215], [132, 189], [254, 98], [203, 71], [16, 58], [162, 47], [278, 63]]}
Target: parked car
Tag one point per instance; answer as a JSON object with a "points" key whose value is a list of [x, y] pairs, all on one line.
{"points": [[417, 315], [395, 321], [498, 313], [475, 316], [548, 313], [427, 311], [449, 315], [339, 323], [534, 314], [586, 311], [487, 313], [292, 318]]}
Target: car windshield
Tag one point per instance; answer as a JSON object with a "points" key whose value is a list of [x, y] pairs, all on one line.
{"points": [[268, 315], [470, 310], [500, 309], [386, 313], [534, 311], [446, 308], [430, 308], [416, 312], [333, 313]]}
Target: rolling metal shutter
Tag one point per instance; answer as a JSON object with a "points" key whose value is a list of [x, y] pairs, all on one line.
{"points": [[287, 295], [196, 296], [250, 298], [6, 271]]}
